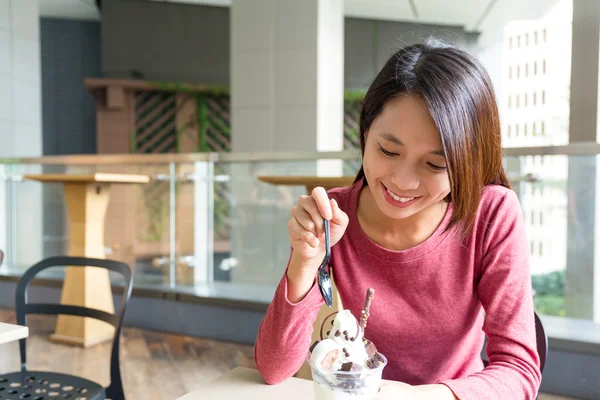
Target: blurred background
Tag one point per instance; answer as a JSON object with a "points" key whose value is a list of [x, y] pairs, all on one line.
{"points": [[200, 114]]}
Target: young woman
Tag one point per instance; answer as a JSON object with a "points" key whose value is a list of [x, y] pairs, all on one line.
{"points": [[432, 225]]}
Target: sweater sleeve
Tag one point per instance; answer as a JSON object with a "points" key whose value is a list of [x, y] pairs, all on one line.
{"points": [[504, 289], [284, 334]]}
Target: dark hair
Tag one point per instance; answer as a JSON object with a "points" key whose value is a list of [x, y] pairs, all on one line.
{"points": [[460, 98]]}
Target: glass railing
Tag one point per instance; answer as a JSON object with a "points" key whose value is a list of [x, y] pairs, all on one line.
{"points": [[216, 224], [559, 202], [198, 223]]}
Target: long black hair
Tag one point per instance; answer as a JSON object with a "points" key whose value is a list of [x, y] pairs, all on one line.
{"points": [[460, 98]]}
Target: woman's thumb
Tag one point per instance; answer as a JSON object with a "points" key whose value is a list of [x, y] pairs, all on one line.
{"points": [[338, 216]]}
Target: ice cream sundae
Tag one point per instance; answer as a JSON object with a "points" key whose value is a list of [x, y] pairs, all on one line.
{"points": [[345, 364]]}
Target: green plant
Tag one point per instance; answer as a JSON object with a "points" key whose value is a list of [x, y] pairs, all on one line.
{"points": [[210, 130], [549, 293], [550, 305]]}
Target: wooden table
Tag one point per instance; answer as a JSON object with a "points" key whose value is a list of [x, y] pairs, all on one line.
{"points": [[11, 332], [87, 197], [310, 182], [245, 383]]}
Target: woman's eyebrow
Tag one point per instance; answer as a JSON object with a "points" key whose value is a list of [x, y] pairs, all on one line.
{"points": [[391, 138]]}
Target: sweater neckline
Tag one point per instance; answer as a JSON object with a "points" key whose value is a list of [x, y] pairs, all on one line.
{"points": [[412, 253]]}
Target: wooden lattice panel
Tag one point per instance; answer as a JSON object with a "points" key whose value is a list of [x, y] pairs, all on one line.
{"points": [[351, 132], [215, 123], [155, 123]]}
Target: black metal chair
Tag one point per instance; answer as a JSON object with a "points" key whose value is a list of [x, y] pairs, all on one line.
{"points": [[541, 340], [42, 385]]}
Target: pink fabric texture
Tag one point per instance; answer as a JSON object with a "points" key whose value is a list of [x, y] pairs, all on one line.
{"points": [[433, 305]]}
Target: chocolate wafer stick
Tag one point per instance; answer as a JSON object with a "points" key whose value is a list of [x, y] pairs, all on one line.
{"points": [[365, 311]]}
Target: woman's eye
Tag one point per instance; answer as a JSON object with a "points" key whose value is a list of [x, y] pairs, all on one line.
{"points": [[436, 167], [385, 152]]}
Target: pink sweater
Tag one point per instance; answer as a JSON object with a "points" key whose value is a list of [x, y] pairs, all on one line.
{"points": [[433, 303]]}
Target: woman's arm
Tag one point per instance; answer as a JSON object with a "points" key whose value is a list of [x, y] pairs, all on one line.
{"points": [[398, 390], [504, 289], [284, 334]]}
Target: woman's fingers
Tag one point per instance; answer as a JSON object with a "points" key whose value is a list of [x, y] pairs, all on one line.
{"points": [[305, 220], [313, 218], [299, 232], [319, 194], [338, 216], [306, 223]]}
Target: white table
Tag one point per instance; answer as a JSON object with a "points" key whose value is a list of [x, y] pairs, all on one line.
{"points": [[245, 383], [10, 332]]}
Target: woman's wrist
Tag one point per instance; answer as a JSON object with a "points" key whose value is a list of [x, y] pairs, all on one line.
{"points": [[437, 392], [301, 279]]}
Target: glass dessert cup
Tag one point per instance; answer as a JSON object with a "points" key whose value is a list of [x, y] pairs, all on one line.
{"points": [[342, 385]]}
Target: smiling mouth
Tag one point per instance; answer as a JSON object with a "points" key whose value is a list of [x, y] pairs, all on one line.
{"points": [[401, 199]]}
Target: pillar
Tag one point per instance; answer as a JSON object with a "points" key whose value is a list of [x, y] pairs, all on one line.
{"points": [[20, 129]]}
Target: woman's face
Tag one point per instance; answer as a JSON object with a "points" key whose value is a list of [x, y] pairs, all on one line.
{"points": [[403, 160]]}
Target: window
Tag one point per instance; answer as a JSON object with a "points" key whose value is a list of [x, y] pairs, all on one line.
{"points": [[509, 101], [519, 42], [531, 247], [535, 68], [510, 42], [535, 37], [543, 97], [544, 67], [525, 100], [532, 218], [543, 128], [544, 35], [509, 72], [516, 129], [525, 129], [540, 248], [541, 218], [518, 101], [534, 130], [527, 69], [518, 71], [508, 133], [534, 99], [527, 40]]}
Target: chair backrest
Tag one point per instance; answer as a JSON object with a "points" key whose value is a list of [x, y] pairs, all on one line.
{"points": [[541, 343], [115, 389]]}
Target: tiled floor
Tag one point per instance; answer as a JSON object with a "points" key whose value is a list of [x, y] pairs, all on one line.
{"points": [[155, 366]]}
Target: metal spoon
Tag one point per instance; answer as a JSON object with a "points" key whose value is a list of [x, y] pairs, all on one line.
{"points": [[323, 278]]}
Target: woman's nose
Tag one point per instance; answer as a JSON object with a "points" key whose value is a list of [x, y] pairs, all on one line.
{"points": [[405, 178]]}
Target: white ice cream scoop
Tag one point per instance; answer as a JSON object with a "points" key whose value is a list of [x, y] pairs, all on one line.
{"points": [[344, 344]]}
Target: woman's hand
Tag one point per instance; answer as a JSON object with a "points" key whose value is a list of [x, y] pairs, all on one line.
{"points": [[305, 227], [307, 237], [396, 391], [402, 391]]}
